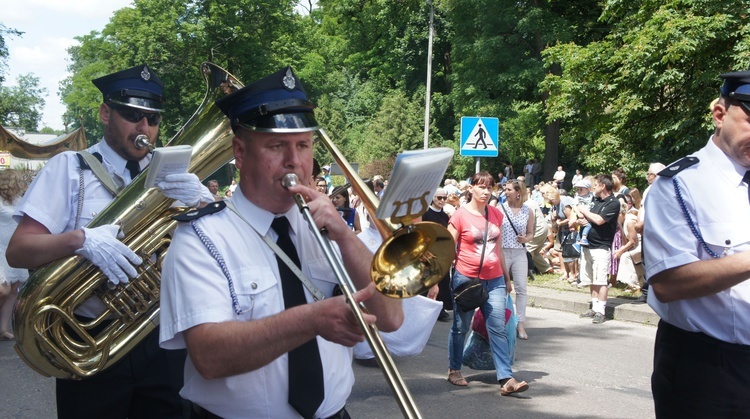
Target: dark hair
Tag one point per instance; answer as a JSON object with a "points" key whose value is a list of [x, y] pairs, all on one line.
{"points": [[605, 180], [316, 168], [620, 173], [379, 183], [343, 191], [368, 182], [483, 178]]}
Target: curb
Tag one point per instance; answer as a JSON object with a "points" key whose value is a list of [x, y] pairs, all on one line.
{"points": [[577, 302]]}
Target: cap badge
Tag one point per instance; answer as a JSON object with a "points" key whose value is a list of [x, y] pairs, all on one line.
{"points": [[145, 74], [288, 80]]}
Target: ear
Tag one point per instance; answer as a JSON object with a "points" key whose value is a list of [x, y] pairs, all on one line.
{"points": [[238, 148], [719, 111], [104, 113]]}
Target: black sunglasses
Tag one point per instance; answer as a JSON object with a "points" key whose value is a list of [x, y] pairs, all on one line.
{"points": [[441, 198], [135, 116]]}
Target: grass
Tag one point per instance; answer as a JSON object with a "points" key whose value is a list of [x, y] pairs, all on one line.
{"points": [[553, 281]]}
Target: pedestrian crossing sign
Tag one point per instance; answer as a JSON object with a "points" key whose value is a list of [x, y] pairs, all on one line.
{"points": [[479, 136]]}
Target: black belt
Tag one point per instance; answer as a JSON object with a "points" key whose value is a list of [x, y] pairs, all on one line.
{"points": [[699, 338], [201, 413]]}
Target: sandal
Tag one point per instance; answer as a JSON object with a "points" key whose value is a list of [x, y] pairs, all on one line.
{"points": [[455, 378], [7, 336], [513, 386]]}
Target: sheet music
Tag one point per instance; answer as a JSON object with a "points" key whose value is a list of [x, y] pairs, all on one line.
{"points": [[166, 161], [415, 177]]}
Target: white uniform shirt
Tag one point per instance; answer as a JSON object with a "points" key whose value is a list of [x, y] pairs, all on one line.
{"points": [[52, 198], [717, 200], [8, 226], [196, 291]]}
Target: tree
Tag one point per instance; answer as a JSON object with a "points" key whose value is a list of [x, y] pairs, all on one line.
{"points": [[497, 66], [21, 106], [642, 92], [5, 32], [250, 38]]}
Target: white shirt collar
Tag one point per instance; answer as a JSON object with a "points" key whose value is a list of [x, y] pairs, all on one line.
{"points": [[734, 171], [116, 161], [259, 218]]}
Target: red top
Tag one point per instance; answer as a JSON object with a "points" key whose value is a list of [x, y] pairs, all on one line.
{"points": [[470, 229]]}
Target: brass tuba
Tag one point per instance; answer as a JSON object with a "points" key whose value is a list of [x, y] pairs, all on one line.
{"points": [[49, 338]]}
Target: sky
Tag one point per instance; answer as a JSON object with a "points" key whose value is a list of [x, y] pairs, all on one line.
{"points": [[49, 27]]}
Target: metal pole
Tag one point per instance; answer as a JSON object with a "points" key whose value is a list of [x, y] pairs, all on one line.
{"points": [[429, 79]]}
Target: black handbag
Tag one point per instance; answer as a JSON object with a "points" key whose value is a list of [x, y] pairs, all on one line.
{"points": [[569, 250], [472, 294]]}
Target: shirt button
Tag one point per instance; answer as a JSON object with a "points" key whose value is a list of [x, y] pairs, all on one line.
{"points": [[254, 285], [93, 213]]}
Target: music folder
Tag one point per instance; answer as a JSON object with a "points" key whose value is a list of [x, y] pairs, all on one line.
{"points": [[166, 161], [415, 177]]}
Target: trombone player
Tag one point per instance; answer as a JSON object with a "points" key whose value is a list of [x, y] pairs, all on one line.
{"points": [[63, 198], [253, 328]]}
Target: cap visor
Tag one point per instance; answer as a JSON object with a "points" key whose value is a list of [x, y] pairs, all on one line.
{"points": [[283, 122]]}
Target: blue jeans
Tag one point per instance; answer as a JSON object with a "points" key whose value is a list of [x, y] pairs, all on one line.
{"points": [[494, 314]]}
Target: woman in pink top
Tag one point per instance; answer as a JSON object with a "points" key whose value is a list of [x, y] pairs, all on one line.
{"points": [[468, 226]]}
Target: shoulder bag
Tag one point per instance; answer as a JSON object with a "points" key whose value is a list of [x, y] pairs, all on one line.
{"points": [[472, 293]]}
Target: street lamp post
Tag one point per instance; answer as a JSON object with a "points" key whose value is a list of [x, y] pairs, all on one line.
{"points": [[429, 79]]}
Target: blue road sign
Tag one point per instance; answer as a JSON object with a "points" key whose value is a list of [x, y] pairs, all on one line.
{"points": [[479, 136]]}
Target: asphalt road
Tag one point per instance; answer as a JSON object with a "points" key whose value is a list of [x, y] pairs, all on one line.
{"points": [[574, 369]]}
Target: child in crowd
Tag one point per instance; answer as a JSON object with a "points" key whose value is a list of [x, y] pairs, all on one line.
{"points": [[585, 197]]}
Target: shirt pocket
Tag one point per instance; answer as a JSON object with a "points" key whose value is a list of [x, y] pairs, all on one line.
{"points": [[257, 292], [726, 238], [90, 209], [322, 276]]}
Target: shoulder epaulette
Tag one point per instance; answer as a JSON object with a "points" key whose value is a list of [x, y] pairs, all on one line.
{"points": [[679, 166], [82, 160], [191, 215]]}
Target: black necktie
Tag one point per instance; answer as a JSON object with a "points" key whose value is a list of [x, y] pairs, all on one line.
{"points": [[306, 390], [134, 168], [746, 179]]}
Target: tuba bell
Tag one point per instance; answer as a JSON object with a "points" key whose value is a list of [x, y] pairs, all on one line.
{"points": [[49, 337]]}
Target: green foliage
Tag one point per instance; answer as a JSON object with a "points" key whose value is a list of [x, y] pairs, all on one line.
{"points": [[21, 106], [586, 83], [642, 93], [4, 33]]}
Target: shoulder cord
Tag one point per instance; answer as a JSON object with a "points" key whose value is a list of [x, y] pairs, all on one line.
{"points": [[316, 293], [86, 158], [81, 192], [689, 219], [220, 260]]}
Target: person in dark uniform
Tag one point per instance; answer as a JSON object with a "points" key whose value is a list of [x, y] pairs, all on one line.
{"points": [[436, 214], [696, 241], [52, 225], [266, 340]]}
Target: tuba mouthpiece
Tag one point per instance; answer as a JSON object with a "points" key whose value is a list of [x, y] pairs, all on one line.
{"points": [[289, 180], [141, 142]]}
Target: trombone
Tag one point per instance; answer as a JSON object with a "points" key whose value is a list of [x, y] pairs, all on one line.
{"points": [[405, 401], [411, 260]]}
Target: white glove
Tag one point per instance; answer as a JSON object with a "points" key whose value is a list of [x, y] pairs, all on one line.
{"points": [[185, 187], [102, 247]]}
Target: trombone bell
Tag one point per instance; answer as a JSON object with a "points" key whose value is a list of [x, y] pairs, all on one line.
{"points": [[413, 260]]}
